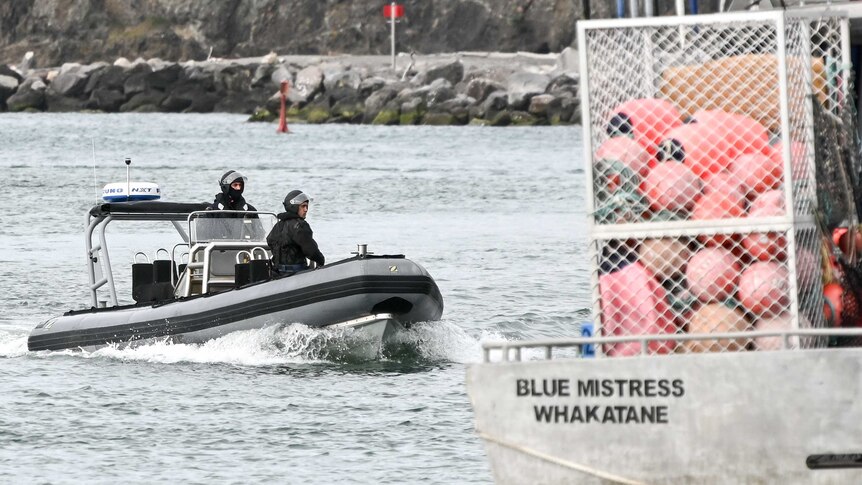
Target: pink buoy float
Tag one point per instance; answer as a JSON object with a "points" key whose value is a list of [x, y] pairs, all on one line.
{"points": [[742, 133], [724, 182], [664, 258], [644, 120], [757, 172], [633, 303], [712, 274], [766, 246], [764, 288], [671, 186], [704, 150], [716, 318]]}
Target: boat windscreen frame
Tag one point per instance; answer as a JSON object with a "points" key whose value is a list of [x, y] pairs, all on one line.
{"points": [[96, 254]]}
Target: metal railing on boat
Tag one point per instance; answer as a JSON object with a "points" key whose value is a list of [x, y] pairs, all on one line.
{"points": [[511, 351]]}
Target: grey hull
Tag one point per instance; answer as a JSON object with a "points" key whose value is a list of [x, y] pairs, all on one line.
{"points": [[331, 295], [748, 417]]}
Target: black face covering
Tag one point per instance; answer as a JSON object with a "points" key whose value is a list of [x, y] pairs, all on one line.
{"points": [[235, 195]]}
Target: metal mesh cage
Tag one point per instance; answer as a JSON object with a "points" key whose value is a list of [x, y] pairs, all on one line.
{"points": [[708, 174]]}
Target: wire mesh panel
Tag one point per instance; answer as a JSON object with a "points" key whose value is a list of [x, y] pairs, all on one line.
{"points": [[707, 195]]}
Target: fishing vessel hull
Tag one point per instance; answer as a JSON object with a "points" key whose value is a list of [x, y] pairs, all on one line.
{"points": [[723, 418], [378, 295]]}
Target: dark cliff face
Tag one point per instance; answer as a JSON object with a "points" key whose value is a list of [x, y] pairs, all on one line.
{"points": [[90, 30]]}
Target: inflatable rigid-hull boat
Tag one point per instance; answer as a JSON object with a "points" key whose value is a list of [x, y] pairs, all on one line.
{"points": [[375, 294]]}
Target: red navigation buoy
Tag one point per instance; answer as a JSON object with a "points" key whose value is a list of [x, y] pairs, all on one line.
{"points": [[282, 115]]}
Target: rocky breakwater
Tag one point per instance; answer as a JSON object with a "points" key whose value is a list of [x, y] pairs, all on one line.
{"points": [[451, 89]]}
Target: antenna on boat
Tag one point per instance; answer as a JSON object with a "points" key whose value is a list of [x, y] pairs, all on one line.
{"points": [[95, 186], [128, 178]]}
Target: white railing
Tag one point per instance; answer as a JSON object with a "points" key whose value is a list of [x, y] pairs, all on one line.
{"points": [[511, 351]]}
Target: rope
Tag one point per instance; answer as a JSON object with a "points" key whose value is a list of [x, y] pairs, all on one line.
{"points": [[559, 461]]}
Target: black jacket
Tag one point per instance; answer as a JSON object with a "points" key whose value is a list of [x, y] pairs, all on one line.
{"points": [[222, 202], [291, 241]]}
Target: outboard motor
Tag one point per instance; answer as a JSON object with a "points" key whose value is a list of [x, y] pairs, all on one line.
{"points": [[142, 278]]}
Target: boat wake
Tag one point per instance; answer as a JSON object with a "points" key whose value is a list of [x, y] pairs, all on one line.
{"points": [[433, 342]]}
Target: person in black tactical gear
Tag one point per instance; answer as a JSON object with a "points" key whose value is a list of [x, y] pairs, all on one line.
{"points": [[291, 239], [232, 184]]}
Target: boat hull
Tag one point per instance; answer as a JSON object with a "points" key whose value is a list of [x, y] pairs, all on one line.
{"points": [[749, 417], [332, 295]]}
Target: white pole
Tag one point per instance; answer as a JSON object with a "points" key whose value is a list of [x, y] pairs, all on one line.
{"points": [[392, 19], [680, 7]]}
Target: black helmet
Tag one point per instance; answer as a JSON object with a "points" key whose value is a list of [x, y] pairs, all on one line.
{"points": [[230, 177], [294, 199]]}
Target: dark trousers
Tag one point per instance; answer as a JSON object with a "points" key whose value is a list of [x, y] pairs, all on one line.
{"points": [[290, 269]]}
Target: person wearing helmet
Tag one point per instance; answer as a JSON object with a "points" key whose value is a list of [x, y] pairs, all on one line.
{"points": [[232, 184], [291, 239]]}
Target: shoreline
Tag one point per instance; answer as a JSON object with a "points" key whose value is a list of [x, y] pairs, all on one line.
{"points": [[480, 88]]}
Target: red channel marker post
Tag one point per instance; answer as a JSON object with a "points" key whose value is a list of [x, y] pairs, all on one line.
{"points": [[393, 12], [282, 115]]}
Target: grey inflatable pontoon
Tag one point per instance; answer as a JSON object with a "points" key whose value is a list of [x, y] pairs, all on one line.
{"points": [[222, 288]]}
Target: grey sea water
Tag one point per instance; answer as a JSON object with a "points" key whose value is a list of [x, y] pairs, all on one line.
{"points": [[496, 216]]}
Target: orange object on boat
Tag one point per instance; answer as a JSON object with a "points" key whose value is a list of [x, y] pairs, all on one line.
{"points": [[703, 149], [716, 318], [645, 120], [633, 303], [833, 303]]}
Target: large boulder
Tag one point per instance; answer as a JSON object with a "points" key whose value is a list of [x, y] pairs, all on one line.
{"points": [[376, 101], [106, 100], [495, 103], [563, 84], [350, 110], [279, 74], [145, 102], [522, 86], [72, 79], [8, 86], [110, 78], [481, 87], [163, 76], [452, 72], [542, 103], [342, 79], [390, 114], [136, 81], [412, 111], [370, 85], [309, 82], [29, 96], [438, 92], [232, 78]]}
